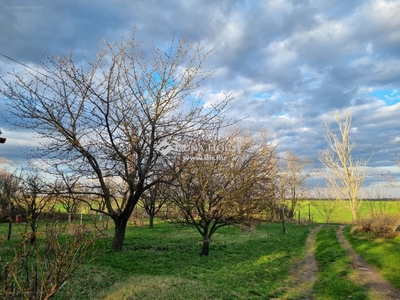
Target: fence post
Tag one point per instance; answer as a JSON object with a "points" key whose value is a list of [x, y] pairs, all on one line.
{"points": [[283, 219], [299, 217]]}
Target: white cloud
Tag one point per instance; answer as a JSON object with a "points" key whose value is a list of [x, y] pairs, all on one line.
{"points": [[288, 63]]}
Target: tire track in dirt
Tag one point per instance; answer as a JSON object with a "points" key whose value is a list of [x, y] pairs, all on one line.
{"points": [[306, 272], [367, 275]]}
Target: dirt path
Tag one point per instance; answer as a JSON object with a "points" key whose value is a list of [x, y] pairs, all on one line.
{"points": [[367, 275], [306, 272]]}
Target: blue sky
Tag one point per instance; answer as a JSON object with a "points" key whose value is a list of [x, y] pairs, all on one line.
{"points": [[288, 63], [389, 96]]}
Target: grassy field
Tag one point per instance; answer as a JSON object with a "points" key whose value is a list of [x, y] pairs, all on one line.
{"points": [[334, 269], [164, 263], [383, 254], [319, 210]]}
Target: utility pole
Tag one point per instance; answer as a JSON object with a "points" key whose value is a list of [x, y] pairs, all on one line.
{"points": [[283, 219]]}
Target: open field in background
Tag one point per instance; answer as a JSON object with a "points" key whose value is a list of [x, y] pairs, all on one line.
{"points": [[319, 210]]}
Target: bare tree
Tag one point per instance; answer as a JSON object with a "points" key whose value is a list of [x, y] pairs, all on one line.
{"points": [[325, 204], [9, 186], [228, 180], [344, 175], [114, 118], [69, 203], [292, 180], [392, 178], [153, 200], [34, 196], [66, 193]]}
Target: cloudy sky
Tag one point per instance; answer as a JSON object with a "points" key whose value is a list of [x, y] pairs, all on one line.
{"points": [[289, 63]]}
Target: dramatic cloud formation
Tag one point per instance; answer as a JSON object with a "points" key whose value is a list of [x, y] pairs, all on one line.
{"points": [[289, 63]]}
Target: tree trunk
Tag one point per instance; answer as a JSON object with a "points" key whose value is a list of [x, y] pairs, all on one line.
{"points": [[206, 245], [151, 221], [120, 223], [33, 233], [354, 214], [33, 238], [283, 220]]}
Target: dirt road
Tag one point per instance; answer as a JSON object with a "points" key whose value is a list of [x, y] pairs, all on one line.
{"points": [[364, 273], [306, 272]]}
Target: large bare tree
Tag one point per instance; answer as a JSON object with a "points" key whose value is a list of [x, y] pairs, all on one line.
{"points": [[344, 175], [112, 119]]}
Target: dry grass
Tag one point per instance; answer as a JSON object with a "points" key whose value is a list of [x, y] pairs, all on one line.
{"points": [[379, 226]]}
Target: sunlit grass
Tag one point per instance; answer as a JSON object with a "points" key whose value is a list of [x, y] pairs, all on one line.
{"points": [[164, 263], [334, 269], [341, 213], [384, 254]]}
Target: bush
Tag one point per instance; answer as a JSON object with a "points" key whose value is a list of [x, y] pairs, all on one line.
{"points": [[40, 270], [380, 226]]}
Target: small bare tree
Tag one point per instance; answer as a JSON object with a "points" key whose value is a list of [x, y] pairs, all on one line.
{"points": [[392, 178], [324, 204], [69, 203], [153, 200], [9, 186], [344, 175], [66, 193], [33, 198], [292, 180], [226, 180]]}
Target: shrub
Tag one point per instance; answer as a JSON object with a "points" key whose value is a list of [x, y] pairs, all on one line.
{"points": [[380, 226], [39, 270]]}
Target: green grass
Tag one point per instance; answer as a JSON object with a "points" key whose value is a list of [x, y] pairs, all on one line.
{"points": [[340, 213], [334, 269], [164, 263], [384, 254]]}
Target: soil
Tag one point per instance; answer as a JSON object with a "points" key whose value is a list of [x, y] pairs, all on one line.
{"points": [[306, 272]]}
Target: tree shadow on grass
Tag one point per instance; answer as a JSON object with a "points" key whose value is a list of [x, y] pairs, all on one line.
{"points": [[240, 265]]}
